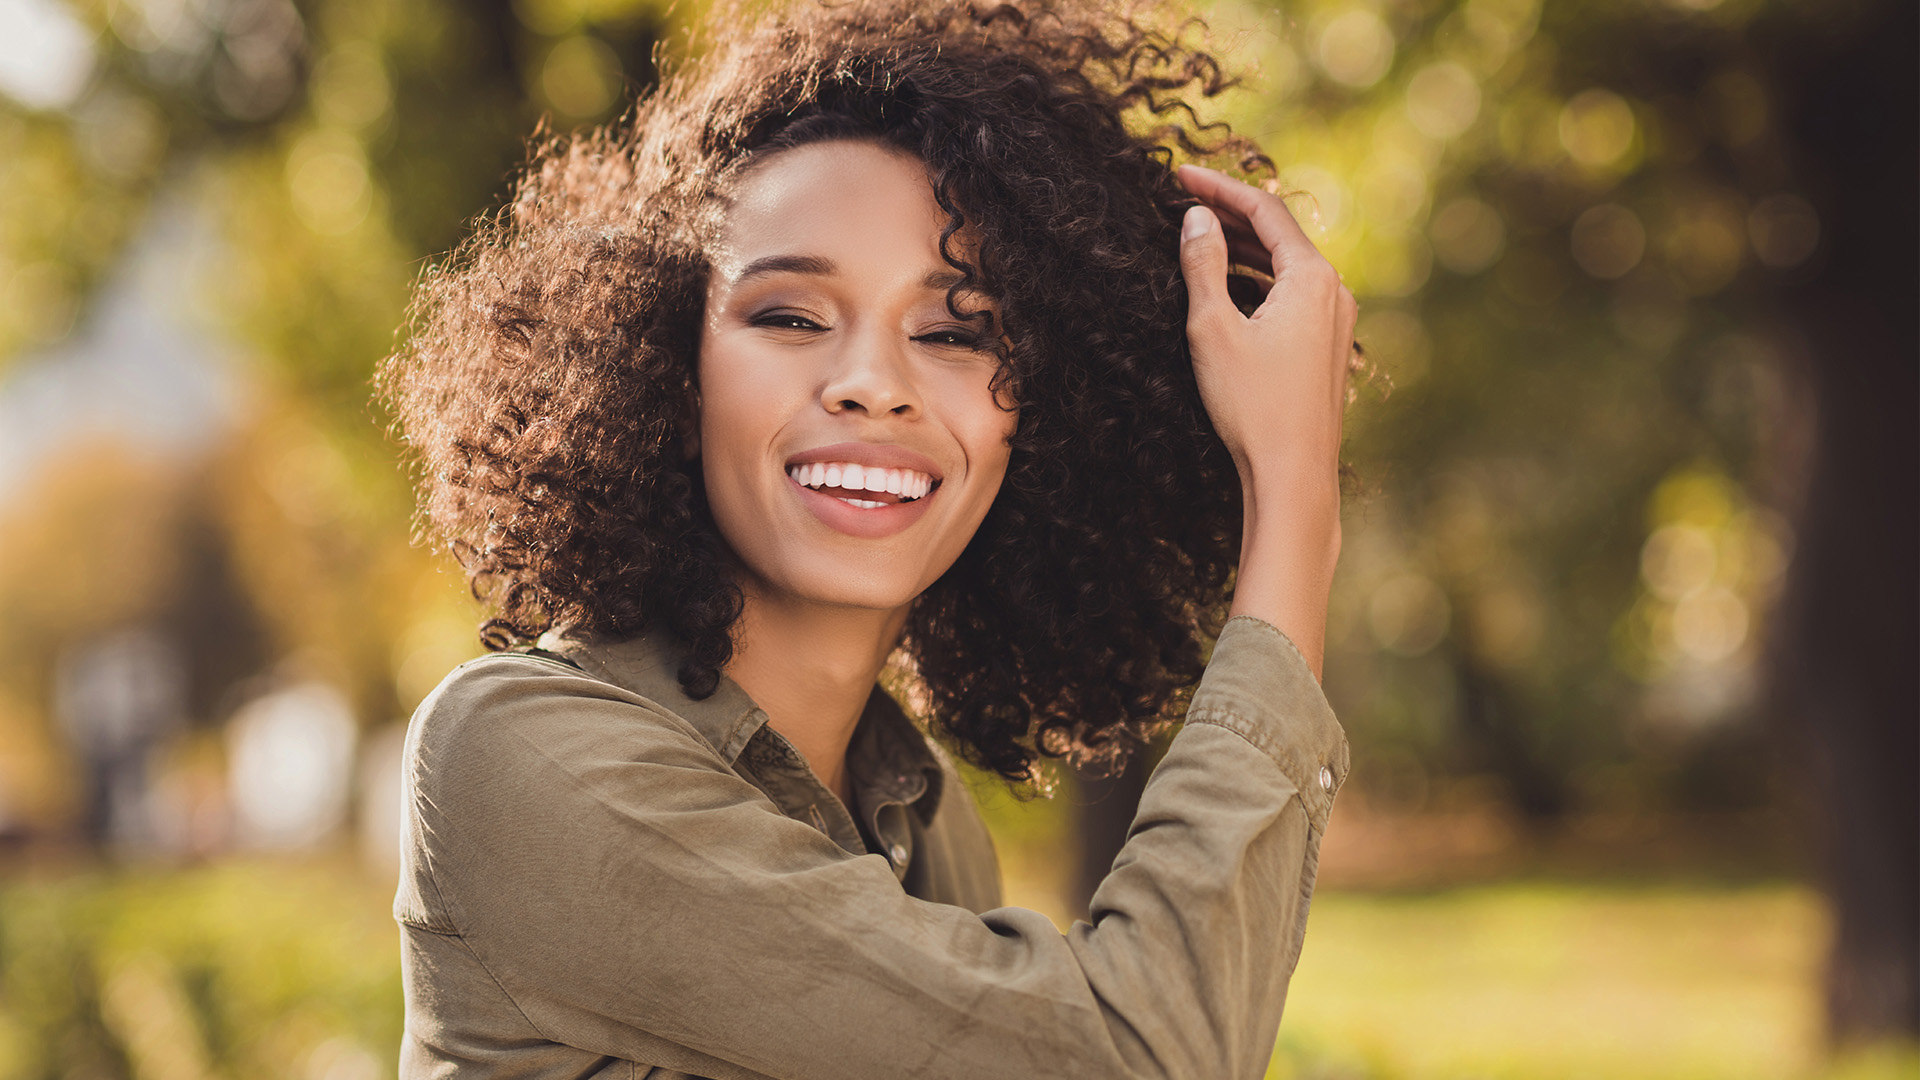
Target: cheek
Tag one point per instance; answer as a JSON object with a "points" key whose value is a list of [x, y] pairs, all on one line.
{"points": [[738, 417], [984, 427], [737, 398]]}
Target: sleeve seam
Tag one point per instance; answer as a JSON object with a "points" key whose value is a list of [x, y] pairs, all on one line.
{"points": [[1282, 635], [1242, 726], [425, 927], [1228, 720], [504, 992], [1317, 803]]}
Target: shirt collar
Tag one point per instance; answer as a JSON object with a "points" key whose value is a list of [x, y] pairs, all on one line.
{"points": [[888, 754], [891, 758]]}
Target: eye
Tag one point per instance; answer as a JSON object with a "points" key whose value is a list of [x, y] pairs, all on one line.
{"points": [[785, 320], [962, 339]]}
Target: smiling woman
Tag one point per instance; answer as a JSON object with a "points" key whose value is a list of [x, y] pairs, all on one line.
{"points": [[844, 360], [828, 346], [878, 335]]}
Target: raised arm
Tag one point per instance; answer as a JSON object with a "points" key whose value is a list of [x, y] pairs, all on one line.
{"points": [[1275, 385], [585, 872]]}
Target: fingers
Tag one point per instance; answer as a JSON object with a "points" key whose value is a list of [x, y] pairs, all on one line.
{"points": [[1271, 223], [1203, 264], [1242, 243], [1247, 252]]}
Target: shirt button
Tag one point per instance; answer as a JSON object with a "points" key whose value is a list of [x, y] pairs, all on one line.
{"points": [[898, 853], [1326, 779]]}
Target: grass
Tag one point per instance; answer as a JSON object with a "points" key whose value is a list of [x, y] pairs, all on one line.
{"points": [[241, 969], [1554, 980], [289, 968]]}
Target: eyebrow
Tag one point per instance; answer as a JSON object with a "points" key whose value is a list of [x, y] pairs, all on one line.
{"points": [[786, 264], [942, 279], [818, 266]]}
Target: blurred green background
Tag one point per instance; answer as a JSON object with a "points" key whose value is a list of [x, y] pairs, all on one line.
{"points": [[1624, 634]]}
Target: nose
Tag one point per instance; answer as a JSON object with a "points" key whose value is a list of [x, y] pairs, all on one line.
{"points": [[873, 375]]}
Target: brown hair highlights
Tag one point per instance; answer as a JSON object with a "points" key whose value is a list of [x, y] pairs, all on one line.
{"points": [[551, 364]]}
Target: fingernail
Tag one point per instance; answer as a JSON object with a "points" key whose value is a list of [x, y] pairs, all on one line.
{"points": [[1197, 222]]}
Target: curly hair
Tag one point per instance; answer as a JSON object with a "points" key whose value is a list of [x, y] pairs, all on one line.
{"points": [[549, 373]]}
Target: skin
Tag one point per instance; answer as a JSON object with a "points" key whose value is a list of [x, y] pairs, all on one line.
{"points": [[1275, 385], [857, 346]]}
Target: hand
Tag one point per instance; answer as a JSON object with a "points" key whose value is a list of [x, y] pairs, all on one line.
{"points": [[1275, 385]]}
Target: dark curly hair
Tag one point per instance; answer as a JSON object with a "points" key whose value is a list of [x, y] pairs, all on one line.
{"points": [[546, 384]]}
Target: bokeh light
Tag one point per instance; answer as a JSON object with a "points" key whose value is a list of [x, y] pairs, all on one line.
{"points": [[1608, 241], [1468, 235], [1597, 128], [1575, 453], [581, 76], [1355, 48]]}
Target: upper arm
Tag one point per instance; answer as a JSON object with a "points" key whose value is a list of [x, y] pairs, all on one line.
{"points": [[635, 897]]}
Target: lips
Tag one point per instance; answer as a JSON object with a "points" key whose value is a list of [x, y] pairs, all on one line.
{"points": [[854, 482], [868, 490]]}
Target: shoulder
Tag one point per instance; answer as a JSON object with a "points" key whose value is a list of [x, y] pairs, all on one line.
{"points": [[523, 777], [510, 713]]}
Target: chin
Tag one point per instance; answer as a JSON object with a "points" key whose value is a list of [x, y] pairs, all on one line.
{"points": [[837, 585]]}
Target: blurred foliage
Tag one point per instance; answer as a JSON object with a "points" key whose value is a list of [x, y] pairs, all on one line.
{"points": [[1562, 222], [245, 970], [286, 969], [337, 146], [1525, 980], [1567, 223]]}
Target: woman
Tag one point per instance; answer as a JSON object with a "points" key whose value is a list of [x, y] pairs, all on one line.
{"points": [[877, 336]]}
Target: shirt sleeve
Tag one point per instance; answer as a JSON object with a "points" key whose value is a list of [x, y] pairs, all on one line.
{"points": [[636, 898]]}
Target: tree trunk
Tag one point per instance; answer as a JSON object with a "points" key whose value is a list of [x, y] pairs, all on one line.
{"points": [[1847, 635], [1105, 809]]}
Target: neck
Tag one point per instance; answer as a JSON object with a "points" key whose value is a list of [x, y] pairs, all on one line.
{"points": [[812, 668]]}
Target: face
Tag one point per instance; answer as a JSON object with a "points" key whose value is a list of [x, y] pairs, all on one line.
{"points": [[848, 431]]}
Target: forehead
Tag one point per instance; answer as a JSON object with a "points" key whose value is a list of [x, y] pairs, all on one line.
{"points": [[852, 203]]}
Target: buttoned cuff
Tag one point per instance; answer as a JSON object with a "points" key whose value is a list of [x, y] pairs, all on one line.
{"points": [[1258, 686]]}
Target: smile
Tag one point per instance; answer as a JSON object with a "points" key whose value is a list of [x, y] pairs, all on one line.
{"points": [[867, 487]]}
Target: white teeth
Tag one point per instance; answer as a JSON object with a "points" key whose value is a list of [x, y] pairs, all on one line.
{"points": [[905, 483], [863, 504]]}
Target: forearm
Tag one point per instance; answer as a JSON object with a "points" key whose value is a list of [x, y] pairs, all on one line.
{"points": [[686, 923], [1274, 383], [1290, 543], [1196, 932]]}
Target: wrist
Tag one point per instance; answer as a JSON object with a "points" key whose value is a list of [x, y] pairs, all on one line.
{"points": [[1290, 545], [1296, 508]]}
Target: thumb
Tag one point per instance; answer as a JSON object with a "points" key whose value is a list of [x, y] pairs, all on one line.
{"points": [[1203, 264]]}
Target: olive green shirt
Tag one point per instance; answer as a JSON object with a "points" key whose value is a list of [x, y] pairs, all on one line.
{"points": [[605, 878]]}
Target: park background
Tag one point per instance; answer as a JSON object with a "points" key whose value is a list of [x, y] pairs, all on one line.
{"points": [[1624, 634]]}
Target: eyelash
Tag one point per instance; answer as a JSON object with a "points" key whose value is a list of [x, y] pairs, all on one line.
{"points": [[961, 339], [783, 320]]}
